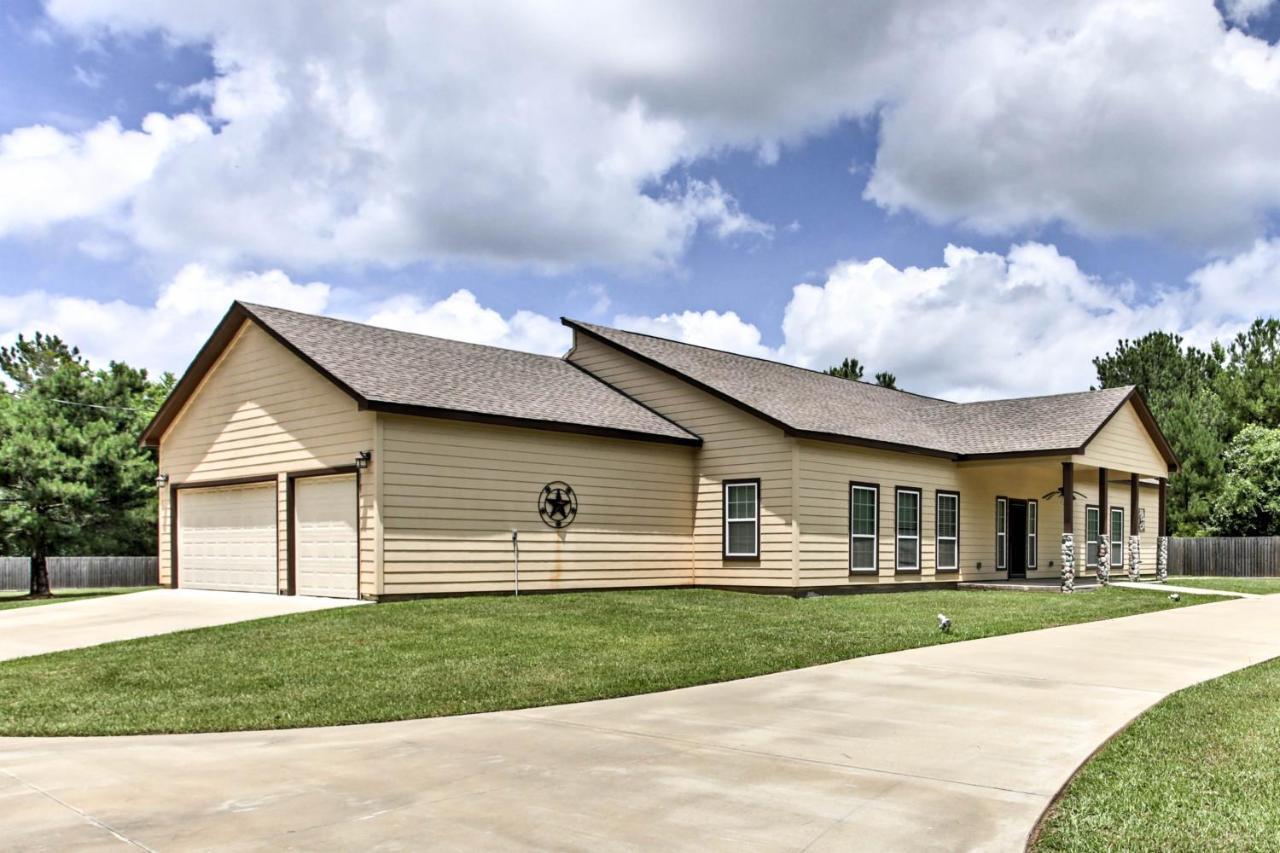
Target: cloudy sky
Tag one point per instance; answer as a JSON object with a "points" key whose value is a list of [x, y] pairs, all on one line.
{"points": [[979, 196]]}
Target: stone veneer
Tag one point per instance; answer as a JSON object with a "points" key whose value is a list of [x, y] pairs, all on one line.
{"points": [[1135, 558], [1068, 562]]}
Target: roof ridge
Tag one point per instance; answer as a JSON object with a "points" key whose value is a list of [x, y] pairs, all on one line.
{"points": [[250, 306], [1125, 388], [569, 321]]}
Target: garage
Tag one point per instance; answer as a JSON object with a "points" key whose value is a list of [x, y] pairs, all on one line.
{"points": [[227, 538], [326, 547]]}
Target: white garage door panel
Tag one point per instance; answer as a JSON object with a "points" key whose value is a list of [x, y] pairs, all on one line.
{"points": [[227, 538], [327, 561]]}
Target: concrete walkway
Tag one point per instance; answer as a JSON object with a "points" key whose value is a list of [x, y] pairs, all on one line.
{"points": [[44, 628], [953, 747], [1186, 590]]}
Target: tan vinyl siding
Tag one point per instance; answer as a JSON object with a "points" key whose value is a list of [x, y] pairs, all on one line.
{"points": [[453, 491], [1124, 444], [982, 483], [826, 470], [262, 411], [736, 445]]}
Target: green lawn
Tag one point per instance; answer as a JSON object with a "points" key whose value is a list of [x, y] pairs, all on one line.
{"points": [[1261, 586], [1199, 771], [462, 655], [10, 600]]}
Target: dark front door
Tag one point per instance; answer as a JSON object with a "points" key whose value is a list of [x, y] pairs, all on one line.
{"points": [[1017, 539]]}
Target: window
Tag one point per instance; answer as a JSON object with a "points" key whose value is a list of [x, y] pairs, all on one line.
{"points": [[864, 512], [742, 518], [1117, 536], [908, 530], [1091, 536], [947, 531], [1033, 532], [1002, 543]]}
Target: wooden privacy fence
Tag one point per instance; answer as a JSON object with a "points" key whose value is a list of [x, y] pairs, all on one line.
{"points": [[82, 572], [1225, 556]]}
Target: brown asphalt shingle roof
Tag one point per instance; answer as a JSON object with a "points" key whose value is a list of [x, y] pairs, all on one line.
{"points": [[390, 369], [808, 402]]}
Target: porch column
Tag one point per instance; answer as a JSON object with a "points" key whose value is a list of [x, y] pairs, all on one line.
{"points": [[1068, 537], [1104, 528], [1162, 541], [1135, 544]]}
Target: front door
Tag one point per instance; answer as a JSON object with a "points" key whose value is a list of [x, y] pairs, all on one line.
{"points": [[1017, 539]]}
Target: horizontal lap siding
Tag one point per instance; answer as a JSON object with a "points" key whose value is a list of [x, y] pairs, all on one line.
{"points": [[452, 492], [1124, 444], [736, 445], [262, 411], [825, 472]]}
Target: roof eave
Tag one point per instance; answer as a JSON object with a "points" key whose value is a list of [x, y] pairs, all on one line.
{"points": [[208, 356], [393, 408]]}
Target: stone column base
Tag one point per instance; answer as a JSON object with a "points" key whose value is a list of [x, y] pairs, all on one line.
{"points": [[1068, 563], [1104, 560], [1162, 559], [1135, 558]]}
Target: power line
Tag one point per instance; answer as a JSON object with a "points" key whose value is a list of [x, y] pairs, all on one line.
{"points": [[104, 408]]}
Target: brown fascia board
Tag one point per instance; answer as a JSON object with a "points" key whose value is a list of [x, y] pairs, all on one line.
{"points": [[238, 313], [208, 355]]}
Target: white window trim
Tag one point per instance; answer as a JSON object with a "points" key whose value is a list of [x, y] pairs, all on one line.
{"points": [[755, 519], [1002, 534], [897, 531], [1033, 532], [938, 538], [1088, 541], [874, 536], [1116, 557]]}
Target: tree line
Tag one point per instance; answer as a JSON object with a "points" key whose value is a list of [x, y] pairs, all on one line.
{"points": [[74, 479]]}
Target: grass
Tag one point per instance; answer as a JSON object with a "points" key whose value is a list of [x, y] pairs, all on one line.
{"points": [[462, 655], [10, 600], [1261, 586], [1199, 771]]}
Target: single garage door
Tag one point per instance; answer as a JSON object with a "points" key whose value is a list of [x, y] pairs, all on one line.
{"points": [[227, 538], [327, 561]]}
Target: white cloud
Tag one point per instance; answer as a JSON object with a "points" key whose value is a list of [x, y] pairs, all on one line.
{"points": [[1240, 11], [165, 335], [393, 132], [726, 331], [978, 325], [461, 316], [50, 176]]}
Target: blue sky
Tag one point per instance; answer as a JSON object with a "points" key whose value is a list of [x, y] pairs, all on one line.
{"points": [[671, 173]]}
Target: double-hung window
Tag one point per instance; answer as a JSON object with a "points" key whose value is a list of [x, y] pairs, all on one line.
{"points": [[1002, 534], [742, 518], [1091, 536], [947, 532], [864, 514], [907, 524], [1117, 536], [1033, 532]]}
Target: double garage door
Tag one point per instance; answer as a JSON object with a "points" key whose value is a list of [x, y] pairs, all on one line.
{"points": [[227, 538]]}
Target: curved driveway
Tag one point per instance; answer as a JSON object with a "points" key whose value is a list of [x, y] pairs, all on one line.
{"points": [[955, 747]]}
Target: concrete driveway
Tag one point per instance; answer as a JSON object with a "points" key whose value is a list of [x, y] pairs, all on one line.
{"points": [[65, 625], [955, 747]]}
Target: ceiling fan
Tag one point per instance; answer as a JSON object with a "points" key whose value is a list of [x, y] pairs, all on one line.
{"points": [[1057, 493]]}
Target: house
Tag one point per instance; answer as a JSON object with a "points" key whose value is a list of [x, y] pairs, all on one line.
{"points": [[315, 456]]}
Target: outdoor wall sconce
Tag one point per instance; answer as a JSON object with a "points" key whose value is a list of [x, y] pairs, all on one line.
{"points": [[162, 480], [362, 459]]}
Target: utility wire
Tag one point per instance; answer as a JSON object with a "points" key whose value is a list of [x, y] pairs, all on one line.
{"points": [[104, 408]]}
